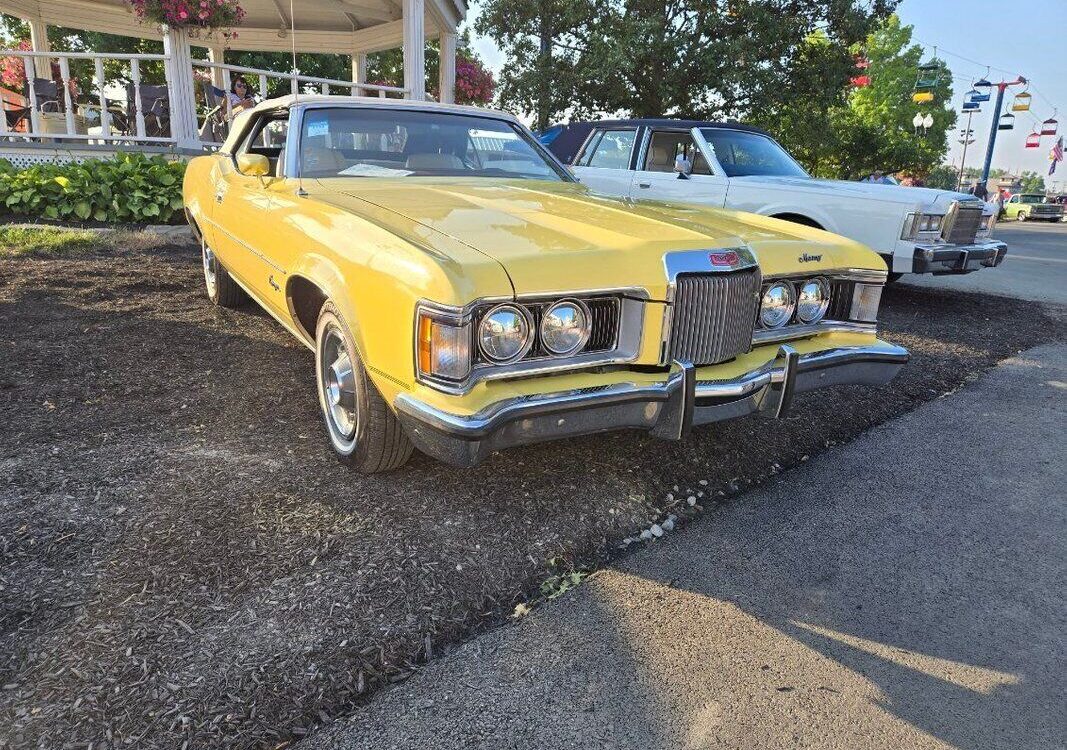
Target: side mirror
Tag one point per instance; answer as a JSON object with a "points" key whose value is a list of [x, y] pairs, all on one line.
{"points": [[683, 167], [253, 165]]}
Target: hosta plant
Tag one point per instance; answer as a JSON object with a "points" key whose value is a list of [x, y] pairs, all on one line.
{"points": [[127, 189]]}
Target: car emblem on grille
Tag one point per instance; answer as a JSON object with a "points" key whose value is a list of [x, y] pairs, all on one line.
{"points": [[805, 258], [728, 258]]}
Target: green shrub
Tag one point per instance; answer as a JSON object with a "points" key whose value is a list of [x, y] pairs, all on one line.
{"points": [[127, 189]]}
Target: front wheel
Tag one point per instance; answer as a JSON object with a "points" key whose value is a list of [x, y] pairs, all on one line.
{"points": [[363, 429], [1021, 216]]}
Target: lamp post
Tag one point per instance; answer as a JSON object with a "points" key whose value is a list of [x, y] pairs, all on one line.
{"points": [[1001, 88]]}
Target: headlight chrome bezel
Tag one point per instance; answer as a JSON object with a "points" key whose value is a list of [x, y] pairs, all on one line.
{"points": [[528, 337], [586, 329], [823, 304], [791, 294]]}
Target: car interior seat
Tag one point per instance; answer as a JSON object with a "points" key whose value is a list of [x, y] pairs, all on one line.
{"points": [[433, 161]]}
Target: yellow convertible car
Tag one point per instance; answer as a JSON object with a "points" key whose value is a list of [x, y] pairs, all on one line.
{"points": [[463, 293]]}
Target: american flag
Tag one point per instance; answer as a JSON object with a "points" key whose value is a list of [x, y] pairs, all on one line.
{"points": [[1056, 155]]}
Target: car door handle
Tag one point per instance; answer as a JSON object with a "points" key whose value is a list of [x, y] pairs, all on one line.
{"points": [[218, 197], [644, 184]]}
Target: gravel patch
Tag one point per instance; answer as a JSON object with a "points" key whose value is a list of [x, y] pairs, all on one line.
{"points": [[182, 560]]}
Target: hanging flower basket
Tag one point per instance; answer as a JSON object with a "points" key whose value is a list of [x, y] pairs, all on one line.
{"points": [[195, 16]]}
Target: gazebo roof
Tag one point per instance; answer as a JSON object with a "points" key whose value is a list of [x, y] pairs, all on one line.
{"points": [[334, 26]]}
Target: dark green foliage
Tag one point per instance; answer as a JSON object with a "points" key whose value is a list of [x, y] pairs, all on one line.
{"points": [[836, 131], [942, 177], [128, 189], [686, 58]]}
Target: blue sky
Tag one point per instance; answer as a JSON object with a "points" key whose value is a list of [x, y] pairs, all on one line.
{"points": [[1027, 38]]}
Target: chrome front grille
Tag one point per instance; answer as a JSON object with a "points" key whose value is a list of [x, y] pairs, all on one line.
{"points": [[713, 315], [963, 228]]}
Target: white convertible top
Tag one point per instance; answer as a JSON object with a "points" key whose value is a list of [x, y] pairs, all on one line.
{"points": [[319, 100]]}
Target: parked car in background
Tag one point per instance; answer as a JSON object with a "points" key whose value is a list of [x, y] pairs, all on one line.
{"points": [[463, 293], [915, 230], [1032, 207]]}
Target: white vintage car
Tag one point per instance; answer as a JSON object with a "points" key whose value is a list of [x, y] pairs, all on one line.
{"points": [[915, 230]]}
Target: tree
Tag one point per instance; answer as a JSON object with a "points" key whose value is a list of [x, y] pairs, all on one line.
{"points": [[1031, 182], [869, 128], [687, 58], [943, 177]]}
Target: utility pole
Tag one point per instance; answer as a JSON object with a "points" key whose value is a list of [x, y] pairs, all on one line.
{"points": [[967, 141], [1001, 88]]}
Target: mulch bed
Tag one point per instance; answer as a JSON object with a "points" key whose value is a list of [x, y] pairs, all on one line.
{"points": [[183, 563]]}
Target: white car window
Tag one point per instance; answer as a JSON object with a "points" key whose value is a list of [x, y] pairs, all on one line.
{"points": [[667, 145], [610, 149], [742, 153]]}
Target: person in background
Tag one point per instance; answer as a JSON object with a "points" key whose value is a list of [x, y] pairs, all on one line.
{"points": [[878, 177], [239, 99]]}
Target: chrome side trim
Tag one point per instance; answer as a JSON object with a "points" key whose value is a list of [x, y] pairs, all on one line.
{"points": [[245, 245]]}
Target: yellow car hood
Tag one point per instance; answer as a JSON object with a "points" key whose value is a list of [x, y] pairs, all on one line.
{"points": [[556, 236]]}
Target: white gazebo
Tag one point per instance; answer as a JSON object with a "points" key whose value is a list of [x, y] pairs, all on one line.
{"points": [[349, 27]]}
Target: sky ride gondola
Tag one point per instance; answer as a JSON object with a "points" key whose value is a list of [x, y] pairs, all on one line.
{"points": [[1007, 121], [1049, 126], [1033, 140], [1022, 102]]}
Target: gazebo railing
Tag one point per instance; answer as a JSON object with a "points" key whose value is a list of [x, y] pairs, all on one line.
{"points": [[324, 85], [68, 118], [223, 73], [64, 121]]}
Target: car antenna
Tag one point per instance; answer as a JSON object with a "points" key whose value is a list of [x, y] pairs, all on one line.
{"points": [[296, 89], [292, 40]]}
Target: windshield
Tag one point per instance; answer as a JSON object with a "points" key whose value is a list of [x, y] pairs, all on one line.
{"points": [[1031, 199], [742, 154], [395, 142]]}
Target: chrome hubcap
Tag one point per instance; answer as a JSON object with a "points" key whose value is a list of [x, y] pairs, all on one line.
{"points": [[339, 384], [209, 268]]}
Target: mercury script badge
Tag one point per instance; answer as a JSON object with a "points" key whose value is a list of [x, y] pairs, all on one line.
{"points": [[805, 258]]}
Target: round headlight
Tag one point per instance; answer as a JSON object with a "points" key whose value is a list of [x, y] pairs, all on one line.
{"points": [[813, 300], [776, 307], [565, 327], [504, 334]]}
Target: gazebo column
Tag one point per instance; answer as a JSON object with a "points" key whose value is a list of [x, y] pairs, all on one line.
{"points": [[415, 49], [447, 77], [180, 84], [42, 66], [217, 54], [359, 70]]}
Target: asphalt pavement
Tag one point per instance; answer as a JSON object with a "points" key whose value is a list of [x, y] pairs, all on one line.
{"points": [[1035, 268], [908, 589]]}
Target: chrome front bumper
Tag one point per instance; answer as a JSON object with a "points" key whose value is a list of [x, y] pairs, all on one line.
{"points": [[940, 259], [667, 409]]}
